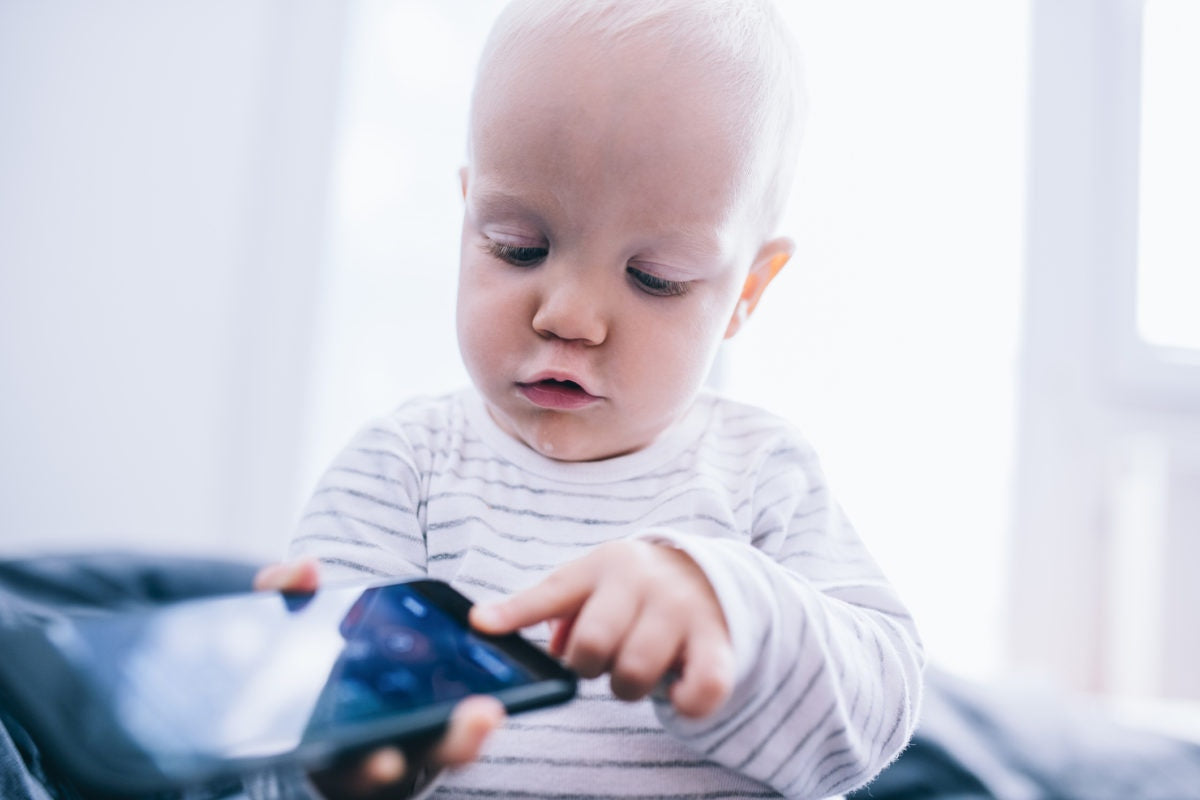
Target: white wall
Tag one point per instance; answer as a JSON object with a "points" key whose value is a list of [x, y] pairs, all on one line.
{"points": [[162, 215]]}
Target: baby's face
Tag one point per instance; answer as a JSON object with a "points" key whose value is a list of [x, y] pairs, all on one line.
{"points": [[604, 248]]}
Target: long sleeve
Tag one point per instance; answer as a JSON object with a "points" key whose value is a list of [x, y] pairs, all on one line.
{"points": [[364, 518], [829, 663]]}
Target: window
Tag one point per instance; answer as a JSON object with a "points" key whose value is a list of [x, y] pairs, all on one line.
{"points": [[1103, 595], [1168, 279]]}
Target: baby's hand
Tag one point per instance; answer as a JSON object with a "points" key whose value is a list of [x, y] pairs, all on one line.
{"points": [[637, 610], [384, 769]]}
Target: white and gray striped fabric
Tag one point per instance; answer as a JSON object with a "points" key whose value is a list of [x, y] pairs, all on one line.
{"points": [[828, 659]]}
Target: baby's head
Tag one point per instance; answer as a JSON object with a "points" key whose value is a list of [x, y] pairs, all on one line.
{"points": [[628, 163]]}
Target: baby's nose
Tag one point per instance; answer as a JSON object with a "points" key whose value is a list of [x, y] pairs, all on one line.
{"points": [[572, 310]]}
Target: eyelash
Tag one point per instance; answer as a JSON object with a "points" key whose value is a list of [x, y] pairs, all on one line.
{"points": [[531, 256], [652, 284], [517, 256]]}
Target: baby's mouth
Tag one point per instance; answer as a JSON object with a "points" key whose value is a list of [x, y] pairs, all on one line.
{"points": [[552, 383], [556, 394]]}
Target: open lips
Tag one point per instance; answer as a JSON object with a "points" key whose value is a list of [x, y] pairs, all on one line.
{"points": [[561, 395]]}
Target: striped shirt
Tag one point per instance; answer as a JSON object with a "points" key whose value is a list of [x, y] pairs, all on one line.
{"points": [[828, 662]]}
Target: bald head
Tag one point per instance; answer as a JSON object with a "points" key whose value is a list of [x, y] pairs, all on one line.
{"points": [[728, 68]]}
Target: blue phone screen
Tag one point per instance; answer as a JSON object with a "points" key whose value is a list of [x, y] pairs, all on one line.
{"points": [[258, 675], [402, 652]]}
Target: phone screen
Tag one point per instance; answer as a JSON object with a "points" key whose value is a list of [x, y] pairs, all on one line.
{"points": [[256, 676]]}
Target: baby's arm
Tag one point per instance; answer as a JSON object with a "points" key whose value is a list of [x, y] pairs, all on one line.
{"points": [[797, 664], [363, 519], [828, 674]]}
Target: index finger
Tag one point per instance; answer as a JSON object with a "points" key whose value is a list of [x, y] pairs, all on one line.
{"points": [[560, 594]]}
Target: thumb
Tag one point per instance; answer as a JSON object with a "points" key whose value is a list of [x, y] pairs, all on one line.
{"points": [[292, 576]]}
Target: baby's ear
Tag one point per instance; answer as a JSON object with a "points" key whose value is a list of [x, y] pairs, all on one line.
{"points": [[462, 177], [770, 259]]}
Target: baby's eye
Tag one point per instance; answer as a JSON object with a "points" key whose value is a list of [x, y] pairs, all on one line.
{"points": [[517, 256], [652, 284]]}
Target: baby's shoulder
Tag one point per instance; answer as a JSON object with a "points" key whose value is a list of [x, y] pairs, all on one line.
{"points": [[432, 409], [733, 417], [754, 429], [419, 421]]}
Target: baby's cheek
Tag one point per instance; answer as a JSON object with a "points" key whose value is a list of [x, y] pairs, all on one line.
{"points": [[684, 363], [486, 326]]}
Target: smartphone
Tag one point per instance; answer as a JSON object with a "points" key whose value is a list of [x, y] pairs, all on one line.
{"points": [[203, 690]]}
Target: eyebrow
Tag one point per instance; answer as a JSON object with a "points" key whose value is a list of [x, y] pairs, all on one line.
{"points": [[490, 198], [696, 244], [697, 241], [491, 201]]}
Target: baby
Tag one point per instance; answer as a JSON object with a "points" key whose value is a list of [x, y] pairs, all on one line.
{"points": [[628, 161]]}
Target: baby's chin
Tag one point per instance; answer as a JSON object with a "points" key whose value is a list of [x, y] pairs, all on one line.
{"points": [[575, 441], [569, 436], [577, 449]]}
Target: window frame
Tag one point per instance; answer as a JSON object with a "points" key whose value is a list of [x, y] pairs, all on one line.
{"points": [[1094, 398], [1146, 374]]}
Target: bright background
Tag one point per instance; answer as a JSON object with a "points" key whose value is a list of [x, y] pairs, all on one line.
{"points": [[229, 234]]}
